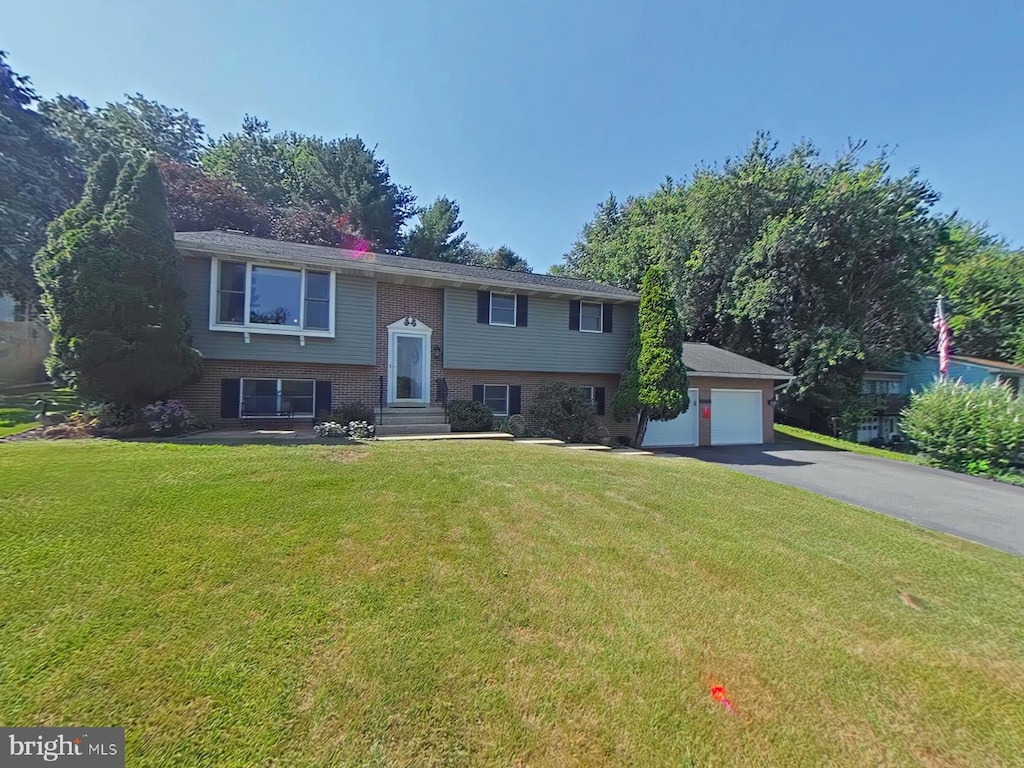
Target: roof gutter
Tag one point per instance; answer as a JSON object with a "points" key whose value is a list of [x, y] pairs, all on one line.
{"points": [[771, 377]]}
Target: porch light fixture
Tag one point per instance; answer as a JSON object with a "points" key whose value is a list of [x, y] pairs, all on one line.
{"points": [[773, 401]]}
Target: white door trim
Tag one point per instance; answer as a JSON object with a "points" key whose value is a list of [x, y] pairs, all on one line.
{"points": [[408, 326]]}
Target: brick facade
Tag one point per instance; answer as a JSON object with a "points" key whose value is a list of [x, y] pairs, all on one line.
{"points": [[705, 384], [424, 304], [361, 383], [349, 383], [460, 387]]}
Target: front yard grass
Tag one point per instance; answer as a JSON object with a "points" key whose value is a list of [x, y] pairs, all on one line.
{"points": [[490, 604]]}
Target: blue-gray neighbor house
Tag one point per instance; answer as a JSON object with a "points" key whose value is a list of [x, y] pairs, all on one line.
{"points": [[892, 389]]}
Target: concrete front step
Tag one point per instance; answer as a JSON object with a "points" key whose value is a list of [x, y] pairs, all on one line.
{"points": [[412, 418], [454, 436], [423, 428]]}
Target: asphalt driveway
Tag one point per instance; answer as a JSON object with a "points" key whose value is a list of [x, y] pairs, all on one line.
{"points": [[981, 510]]}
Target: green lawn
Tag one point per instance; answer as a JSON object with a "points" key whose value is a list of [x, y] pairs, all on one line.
{"points": [[844, 445], [18, 411], [473, 603]]}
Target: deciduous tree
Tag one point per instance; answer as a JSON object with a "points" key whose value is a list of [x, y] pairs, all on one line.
{"points": [[135, 128], [197, 202], [339, 176], [38, 181]]}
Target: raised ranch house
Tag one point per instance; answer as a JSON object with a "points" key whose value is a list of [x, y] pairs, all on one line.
{"points": [[292, 331]]}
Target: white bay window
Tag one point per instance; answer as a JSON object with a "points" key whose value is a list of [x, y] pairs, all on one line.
{"points": [[271, 299]]}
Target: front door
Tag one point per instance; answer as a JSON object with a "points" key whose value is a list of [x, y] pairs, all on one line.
{"points": [[409, 365]]}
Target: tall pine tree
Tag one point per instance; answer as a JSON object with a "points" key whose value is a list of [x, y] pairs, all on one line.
{"points": [[112, 288]]}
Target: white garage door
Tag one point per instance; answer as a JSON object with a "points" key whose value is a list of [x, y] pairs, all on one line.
{"points": [[736, 417], [682, 430]]}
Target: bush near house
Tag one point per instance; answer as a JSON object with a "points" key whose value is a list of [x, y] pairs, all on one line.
{"points": [[346, 413], [564, 412], [973, 429], [469, 416]]}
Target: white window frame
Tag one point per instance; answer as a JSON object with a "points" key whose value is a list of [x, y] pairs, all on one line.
{"points": [[490, 308], [591, 393], [241, 398], [247, 327], [600, 317], [507, 394]]}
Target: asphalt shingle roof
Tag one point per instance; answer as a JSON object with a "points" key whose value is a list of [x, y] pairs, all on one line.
{"points": [[710, 360], [278, 250], [998, 364]]}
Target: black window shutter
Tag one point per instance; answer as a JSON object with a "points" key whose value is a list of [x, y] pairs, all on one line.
{"points": [[522, 307], [515, 400], [606, 322], [322, 397], [574, 315], [483, 306], [230, 392], [599, 400], [478, 393]]}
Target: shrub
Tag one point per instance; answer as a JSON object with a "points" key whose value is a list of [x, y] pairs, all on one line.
{"points": [[562, 411], [346, 413], [978, 430], [329, 429], [517, 426], [111, 415], [469, 416], [169, 417], [360, 430]]}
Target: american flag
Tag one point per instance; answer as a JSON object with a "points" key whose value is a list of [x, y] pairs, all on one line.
{"points": [[941, 326]]}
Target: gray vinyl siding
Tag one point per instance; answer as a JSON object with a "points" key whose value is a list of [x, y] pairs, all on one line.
{"points": [[354, 326], [545, 344]]}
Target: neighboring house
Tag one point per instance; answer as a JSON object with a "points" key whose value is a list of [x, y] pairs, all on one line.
{"points": [[24, 343], [732, 401], [296, 330], [887, 396], [891, 390]]}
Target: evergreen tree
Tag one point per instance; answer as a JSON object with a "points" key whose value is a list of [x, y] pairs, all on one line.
{"points": [[654, 384], [112, 288], [436, 236]]}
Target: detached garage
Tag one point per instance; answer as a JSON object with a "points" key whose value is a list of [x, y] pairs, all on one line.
{"points": [[731, 401]]}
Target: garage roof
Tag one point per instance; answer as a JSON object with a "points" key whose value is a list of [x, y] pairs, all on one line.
{"points": [[706, 360]]}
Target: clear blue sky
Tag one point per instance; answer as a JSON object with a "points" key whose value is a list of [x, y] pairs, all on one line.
{"points": [[530, 113]]}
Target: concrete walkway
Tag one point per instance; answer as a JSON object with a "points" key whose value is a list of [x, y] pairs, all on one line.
{"points": [[984, 511]]}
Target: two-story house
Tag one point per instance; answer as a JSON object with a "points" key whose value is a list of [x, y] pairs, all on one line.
{"points": [[889, 391], [296, 330]]}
